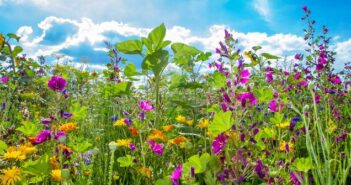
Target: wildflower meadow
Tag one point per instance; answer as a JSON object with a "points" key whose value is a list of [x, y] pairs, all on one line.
{"points": [[247, 117]]}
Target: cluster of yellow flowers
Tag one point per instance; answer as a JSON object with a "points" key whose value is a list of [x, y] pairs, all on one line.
{"points": [[10, 176], [203, 123], [123, 143], [182, 119], [157, 135], [119, 123], [19, 153], [284, 146], [68, 127]]}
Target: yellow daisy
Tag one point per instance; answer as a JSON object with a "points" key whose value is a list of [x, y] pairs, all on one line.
{"points": [[56, 175], [119, 123], [12, 154], [284, 125], [10, 176], [203, 123], [123, 142]]}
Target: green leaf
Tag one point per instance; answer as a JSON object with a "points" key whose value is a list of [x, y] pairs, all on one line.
{"points": [[197, 162], [125, 161], [219, 80], [17, 50], [277, 119], [3, 147], [303, 164], [269, 56], [156, 37], [79, 112], [183, 53], [164, 181], [39, 167], [221, 122], [256, 48], [130, 47], [13, 36], [29, 129], [80, 146], [264, 94], [130, 70], [121, 88], [156, 62]]}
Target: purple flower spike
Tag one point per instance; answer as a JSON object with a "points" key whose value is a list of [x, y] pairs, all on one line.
{"points": [[219, 143], [57, 83]]}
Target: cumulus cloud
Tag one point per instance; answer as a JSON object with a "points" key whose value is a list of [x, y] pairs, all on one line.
{"points": [[263, 9], [89, 37]]}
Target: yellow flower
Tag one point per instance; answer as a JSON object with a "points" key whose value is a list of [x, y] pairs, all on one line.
{"points": [[12, 154], [284, 125], [54, 162], [206, 76], [10, 176], [178, 140], [189, 122], [157, 135], [124, 142], [286, 146], [68, 127], [145, 171], [56, 175], [203, 123], [119, 123], [27, 149], [181, 119], [167, 128]]}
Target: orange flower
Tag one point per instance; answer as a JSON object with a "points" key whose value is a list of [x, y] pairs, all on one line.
{"points": [[68, 127], [178, 140], [145, 171], [157, 135], [65, 150], [133, 131], [54, 162], [167, 128]]}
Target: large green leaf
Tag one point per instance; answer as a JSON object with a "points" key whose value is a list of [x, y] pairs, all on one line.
{"points": [[303, 164], [183, 53], [130, 70], [156, 37], [221, 122], [39, 168], [164, 181], [130, 47], [156, 62], [197, 162], [219, 80], [29, 129], [79, 112]]}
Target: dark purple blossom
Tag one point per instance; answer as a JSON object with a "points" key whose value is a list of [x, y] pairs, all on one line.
{"points": [[260, 169], [219, 143], [57, 83]]}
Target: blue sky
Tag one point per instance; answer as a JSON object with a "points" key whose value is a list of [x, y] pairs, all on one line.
{"points": [[78, 28]]}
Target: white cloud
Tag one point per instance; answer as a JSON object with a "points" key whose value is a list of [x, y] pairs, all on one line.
{"points": [[93, 34], [263, 9]]}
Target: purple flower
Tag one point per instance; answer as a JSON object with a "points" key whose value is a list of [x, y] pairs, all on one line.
{"points": [[269, 77], [298, 56], [176, 174], [304, 8], [224, 106], [132, 146], [42, 136], [226, 98], [46, 121], [59, 135], [219, 143], [260, 169], [145, 105], [227, 35], [156, 148], [4, 79], [67, 115], [57, 83]]}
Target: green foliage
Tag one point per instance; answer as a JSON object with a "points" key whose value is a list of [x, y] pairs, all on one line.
{"points": [[219, 80], [29, 129], [270, 56], [130, 47], [199, 163], [125, 161], [221, 122], [303, 164], [40, 168], [3, 147]]}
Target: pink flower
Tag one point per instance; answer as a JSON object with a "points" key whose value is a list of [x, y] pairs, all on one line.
{"points": [[57, 83], [244, 76], [269, 77], [272, 105], [219, 143], [176, 174], [247, 96], [4, 79], [156, 148], [298, 56], [145, 105], [335, 80]]}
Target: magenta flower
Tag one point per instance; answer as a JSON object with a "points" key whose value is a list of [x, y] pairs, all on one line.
{"points": [[57, 83], [244, 76], [46, 121], [145, 105], [272, 105], [132, 146], [4, 79], [269, 77], [247, 97], [260, 169], [335, 79], [298, 56], [219, 143], [296, 179], [304, 8], [176, 174], [156, 148], [42, 136]]}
